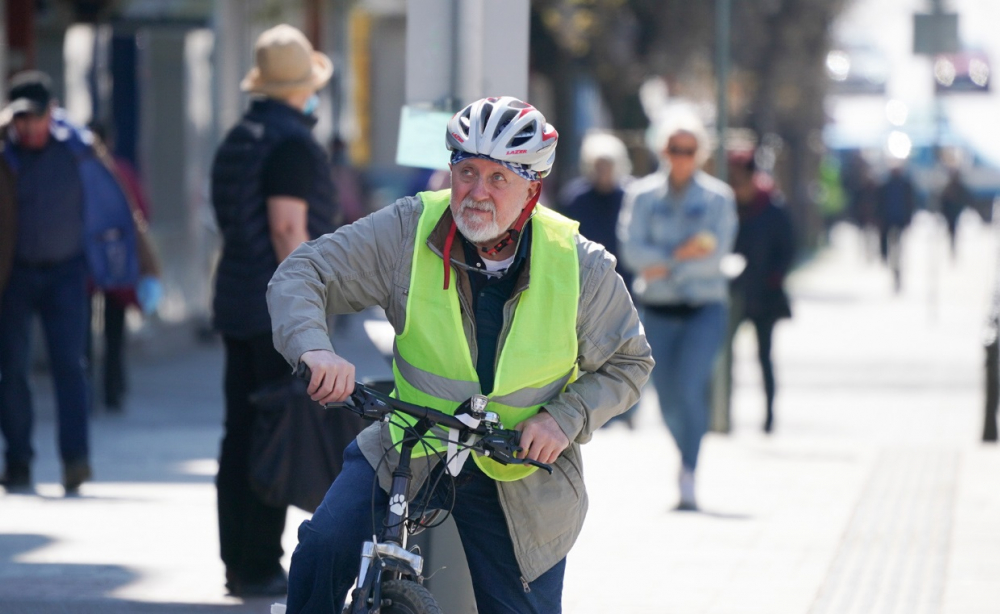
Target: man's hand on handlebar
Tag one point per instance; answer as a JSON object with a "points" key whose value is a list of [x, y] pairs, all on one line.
{"points": [[541, 438], [332, 377]]}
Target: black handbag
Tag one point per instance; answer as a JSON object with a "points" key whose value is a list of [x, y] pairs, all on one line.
{"points": [[297, 445]]}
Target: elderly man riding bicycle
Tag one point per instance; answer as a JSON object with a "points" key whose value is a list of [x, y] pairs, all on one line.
{"points": [[488, 293]]}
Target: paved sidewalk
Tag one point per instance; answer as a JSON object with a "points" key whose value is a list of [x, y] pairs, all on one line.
{"points": [[872, 496]]}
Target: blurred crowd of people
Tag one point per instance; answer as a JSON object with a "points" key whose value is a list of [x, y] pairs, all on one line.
{"points": [[883, 206]]}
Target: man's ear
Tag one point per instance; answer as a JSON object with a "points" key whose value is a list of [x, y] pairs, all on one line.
{"points": [[534, 188]]}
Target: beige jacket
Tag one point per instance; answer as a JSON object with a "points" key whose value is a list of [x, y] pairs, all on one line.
{"points": [[368, 263]]}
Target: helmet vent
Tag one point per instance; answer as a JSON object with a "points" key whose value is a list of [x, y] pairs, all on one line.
{"points": [[523, 136], [484, 115], [465, 121], [505, 120]]}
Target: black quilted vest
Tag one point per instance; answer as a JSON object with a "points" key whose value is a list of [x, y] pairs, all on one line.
{"points": [[248, 260]]}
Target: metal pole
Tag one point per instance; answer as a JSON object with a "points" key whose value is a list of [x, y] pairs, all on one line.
{"points": [[721, 393], [4, 51], [935, 190], [722, 24]]}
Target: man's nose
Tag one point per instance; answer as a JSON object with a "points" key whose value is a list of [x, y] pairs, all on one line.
{"points": [[479, 189]]}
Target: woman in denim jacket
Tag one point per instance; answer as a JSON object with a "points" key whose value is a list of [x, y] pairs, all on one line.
{"points": [[674, 229]]}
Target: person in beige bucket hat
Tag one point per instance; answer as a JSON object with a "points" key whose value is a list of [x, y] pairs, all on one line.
{"points": [[271, 191], [285, 63]]}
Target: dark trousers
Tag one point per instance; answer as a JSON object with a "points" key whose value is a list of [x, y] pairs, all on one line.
{"points": [[328, 557], [764, 330], [58, 294], [249, 530], [114, 353]]}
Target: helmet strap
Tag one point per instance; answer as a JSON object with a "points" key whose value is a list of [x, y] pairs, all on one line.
{"points": [[448, 242], [515, 230], [512, 234]]}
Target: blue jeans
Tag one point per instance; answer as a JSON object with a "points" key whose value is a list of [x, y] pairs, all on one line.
{"points": [[57, 293], [327, 558], [684, 348]]}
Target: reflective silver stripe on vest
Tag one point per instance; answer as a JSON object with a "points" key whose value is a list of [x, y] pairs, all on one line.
{"points": [[529, 397], [434, 385]]}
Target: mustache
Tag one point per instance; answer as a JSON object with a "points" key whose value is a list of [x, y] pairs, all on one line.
{"points": [[482, 205]]}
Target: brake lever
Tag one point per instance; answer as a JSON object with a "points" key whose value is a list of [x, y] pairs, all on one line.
{"points": [[538, 464], [500, 448]]}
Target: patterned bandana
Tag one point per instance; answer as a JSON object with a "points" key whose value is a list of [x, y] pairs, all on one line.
{"points": [[519, 169]]}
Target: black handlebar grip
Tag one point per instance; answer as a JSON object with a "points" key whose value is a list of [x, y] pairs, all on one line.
{"points": [[303, 371]]}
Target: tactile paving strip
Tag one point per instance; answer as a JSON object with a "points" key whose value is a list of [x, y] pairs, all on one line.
{"points": [[893, 556]]}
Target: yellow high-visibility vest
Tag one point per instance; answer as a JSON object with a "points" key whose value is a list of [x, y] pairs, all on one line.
{"points": [[432, 362]]}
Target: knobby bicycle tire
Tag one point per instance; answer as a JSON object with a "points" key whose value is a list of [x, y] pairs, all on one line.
{"points": [[406, 597]]}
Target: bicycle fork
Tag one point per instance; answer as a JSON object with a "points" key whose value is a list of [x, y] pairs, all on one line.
{"points": [[390, 554]]}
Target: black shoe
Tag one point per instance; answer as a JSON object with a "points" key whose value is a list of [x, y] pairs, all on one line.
{"points": [[272, 586], [74, 474], [16, 478]]}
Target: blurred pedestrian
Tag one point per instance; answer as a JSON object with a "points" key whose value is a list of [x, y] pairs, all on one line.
{"points": [[595, 200], [895, 201], [865, 201], [271, 190], [766, 242], [144, 295], [955, 197], [675, 227], [69, 219]]}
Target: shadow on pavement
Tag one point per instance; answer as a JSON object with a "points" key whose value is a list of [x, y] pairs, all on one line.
{"points": [[711, 514], [128, 607], [59, 588]]}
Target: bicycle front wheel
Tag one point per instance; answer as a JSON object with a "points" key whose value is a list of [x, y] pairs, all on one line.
{"points": [[407, 597]]}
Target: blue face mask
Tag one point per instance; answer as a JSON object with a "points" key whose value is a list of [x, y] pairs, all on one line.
{"points": [[311, 105]]}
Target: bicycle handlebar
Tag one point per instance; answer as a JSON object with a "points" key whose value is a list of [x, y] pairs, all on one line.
{"points": [[498, 443]]}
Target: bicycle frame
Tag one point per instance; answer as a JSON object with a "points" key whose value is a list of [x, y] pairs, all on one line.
{"points": [[389, 554], [386, 557]]}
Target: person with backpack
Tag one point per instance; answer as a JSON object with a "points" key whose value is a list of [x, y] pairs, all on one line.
{"points": [[67, 222]]}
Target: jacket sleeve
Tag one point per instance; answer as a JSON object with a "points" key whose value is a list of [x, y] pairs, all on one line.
{"points": [[637, 249], [149, 260], [724, 225], [613, 356], [342, 272]]}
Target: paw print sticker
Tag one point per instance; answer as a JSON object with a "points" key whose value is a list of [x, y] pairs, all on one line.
{"points": [[397, 505]]}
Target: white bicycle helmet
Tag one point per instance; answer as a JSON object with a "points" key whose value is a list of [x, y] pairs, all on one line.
{"points": [[507, 130]]}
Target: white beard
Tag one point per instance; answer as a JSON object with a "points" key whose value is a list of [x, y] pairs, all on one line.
{"points": [[478, 232]]}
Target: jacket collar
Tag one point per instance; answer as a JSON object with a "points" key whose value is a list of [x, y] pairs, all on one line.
{"points": [[276, 108]]}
